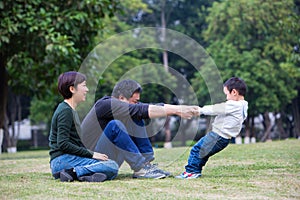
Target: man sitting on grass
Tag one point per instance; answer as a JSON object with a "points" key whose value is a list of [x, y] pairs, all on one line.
{"points": [[115, 127]]}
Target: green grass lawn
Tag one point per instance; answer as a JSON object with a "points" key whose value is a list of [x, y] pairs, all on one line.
{"points": [[256, 171]]}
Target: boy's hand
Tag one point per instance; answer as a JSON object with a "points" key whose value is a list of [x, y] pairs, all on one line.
{"points": [[188, 112], [199, 108]]}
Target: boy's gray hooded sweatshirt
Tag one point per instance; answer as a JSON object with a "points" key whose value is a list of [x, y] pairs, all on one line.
{"points": [[230, 116]]}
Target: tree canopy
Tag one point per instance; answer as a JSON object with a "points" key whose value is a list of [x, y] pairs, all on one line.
{"points": [[254, 40], [41, 39], [257, 40]]}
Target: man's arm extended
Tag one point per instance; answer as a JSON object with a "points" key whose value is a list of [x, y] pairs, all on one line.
{"points": [[181, 110]]}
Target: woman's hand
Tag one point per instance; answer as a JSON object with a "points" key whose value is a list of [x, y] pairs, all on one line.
{"points": [[100, 156]]}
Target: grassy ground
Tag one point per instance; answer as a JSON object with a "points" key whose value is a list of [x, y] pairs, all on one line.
{"points": [[256, 171]]}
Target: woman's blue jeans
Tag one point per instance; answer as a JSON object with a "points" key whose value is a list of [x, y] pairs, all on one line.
{"points": [[207, 146], [84, 166], [134, 148]]}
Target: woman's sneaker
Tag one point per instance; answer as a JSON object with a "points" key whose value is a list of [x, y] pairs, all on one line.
{"points": [[68, 175], [96, 177], [187, 175], [56, 175], [148, 171]]}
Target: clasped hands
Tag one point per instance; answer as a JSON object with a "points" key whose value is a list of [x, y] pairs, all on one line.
{"points": [[188, 112]]}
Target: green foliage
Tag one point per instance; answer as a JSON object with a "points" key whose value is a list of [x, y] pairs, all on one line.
{"points": [[254, 40], [187, 17], [39, 36], [41, 39], [38, 109], [130, 64]]}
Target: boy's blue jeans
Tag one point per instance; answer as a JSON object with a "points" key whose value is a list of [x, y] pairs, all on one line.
{"points": [[84, 166], [207, 146], [134, 148]]}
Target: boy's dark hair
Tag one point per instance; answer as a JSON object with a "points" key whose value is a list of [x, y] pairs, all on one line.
{"points": [[67, 79], [236, 83], [126, 88]]}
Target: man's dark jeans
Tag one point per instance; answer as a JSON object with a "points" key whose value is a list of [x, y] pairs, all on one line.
{"points": [[126, 144]]}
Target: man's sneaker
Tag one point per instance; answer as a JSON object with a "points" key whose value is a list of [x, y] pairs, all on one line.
{"points": [[148, 172], [186, 175], [96, 177], [68, 175], [155, 168]]}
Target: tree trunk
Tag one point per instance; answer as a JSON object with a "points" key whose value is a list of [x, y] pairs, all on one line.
{"points": [[186, 124], [167, 130], [289, 126], [296, 116], [163, 34], [247, 127], [3, 100], [166, 66], [1, 139], [12, 115], [279, 124], [19, 118], [252, 130], [168, 143], [268, 127], [3, 90], [7, 141]]}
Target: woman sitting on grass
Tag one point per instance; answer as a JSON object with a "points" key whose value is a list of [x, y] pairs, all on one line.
{"points": [[69, 159]]}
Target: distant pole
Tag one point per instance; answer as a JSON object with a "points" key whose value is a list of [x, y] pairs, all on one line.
{"points": [[1, 139]]}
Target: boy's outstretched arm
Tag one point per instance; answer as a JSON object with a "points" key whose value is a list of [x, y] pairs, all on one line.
{"points": [[181, 110]]}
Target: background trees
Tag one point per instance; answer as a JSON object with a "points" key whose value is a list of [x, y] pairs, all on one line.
{"points": [[254, 39], [41, 39]]}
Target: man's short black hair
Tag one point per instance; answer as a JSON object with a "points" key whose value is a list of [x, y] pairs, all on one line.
{"points": [[236, 83], [126, 88]]}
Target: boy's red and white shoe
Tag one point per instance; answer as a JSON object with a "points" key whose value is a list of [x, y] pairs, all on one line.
{"points": [[187, 175]]}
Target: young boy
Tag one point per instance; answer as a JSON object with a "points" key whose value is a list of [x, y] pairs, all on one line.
{"points": [[229, 117]]}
